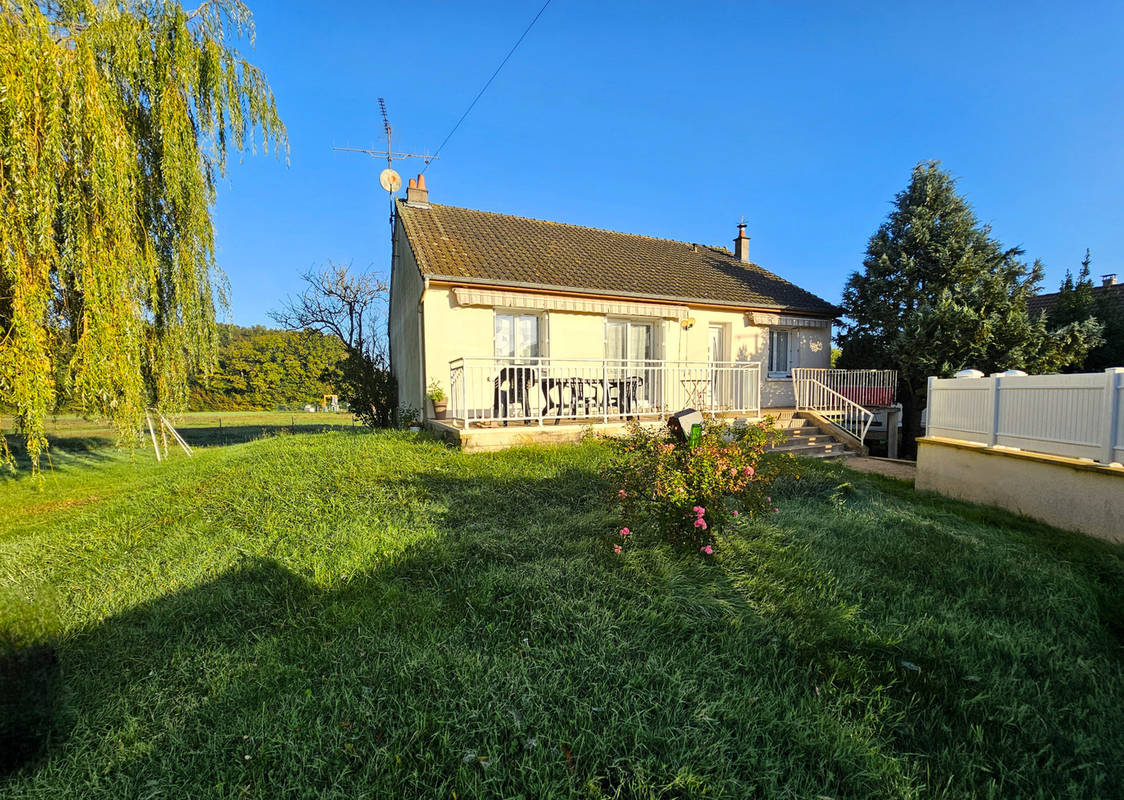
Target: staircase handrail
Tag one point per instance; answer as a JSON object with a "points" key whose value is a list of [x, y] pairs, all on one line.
{"points": [[843, 404]]}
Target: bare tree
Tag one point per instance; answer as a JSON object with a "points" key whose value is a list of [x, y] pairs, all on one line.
{"points": [[338, 302], [351, 307]]}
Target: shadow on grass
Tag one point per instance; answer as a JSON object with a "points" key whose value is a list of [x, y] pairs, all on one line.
{"points": [[221, 436], [66, 451], [273, 640], [63, 452]]}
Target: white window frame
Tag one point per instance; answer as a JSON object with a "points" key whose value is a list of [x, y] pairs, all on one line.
{"points": [[790, 360], [653, 325], [515, 313]]}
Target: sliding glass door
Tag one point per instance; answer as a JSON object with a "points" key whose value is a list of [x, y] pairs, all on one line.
{"points": [[630, 349]]}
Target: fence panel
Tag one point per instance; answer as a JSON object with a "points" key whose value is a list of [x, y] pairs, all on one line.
{"points": [[960, 408], [1079, 416], [1058, 414]]}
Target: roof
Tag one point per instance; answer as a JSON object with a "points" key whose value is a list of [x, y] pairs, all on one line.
{"points": [[1046, 302], [461, 244]]}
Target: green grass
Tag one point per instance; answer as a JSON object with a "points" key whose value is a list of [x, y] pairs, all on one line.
{"points": [[380, 616]]}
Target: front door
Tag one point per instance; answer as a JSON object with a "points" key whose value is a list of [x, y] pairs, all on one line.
{"points": [[719, 376], [717, 344]]}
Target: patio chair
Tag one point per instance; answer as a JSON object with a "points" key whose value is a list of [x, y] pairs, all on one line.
{"points": [[512, 386], [623, 394]]}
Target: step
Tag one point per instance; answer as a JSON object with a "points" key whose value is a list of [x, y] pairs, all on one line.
{"points": [[848, 453], [810, 438], [801, 449], [792, 424]]}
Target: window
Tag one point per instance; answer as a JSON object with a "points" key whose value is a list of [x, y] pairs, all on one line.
{"points": [[517, 336], [629, 341], [780, 353]]}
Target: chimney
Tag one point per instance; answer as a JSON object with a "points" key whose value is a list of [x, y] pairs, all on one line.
{"points": [[741, 244], [1109, 279], [416, 193]]}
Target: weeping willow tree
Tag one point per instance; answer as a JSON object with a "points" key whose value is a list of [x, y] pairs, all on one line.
{"points": [[116, 120]]}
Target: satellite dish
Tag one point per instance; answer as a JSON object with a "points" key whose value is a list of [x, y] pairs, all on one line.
{"points": [[390, 180]]}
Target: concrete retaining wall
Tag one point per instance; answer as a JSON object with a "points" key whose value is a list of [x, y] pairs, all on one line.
{"points": [[1064, 492]]}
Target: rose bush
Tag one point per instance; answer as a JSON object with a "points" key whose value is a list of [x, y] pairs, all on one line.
{"points": [[685, 495]]}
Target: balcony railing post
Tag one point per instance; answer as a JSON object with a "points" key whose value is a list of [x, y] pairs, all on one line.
{"points": [[605, 389]]}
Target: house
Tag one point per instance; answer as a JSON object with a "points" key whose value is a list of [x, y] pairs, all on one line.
{"points": [[524, 321], [1109, 289]]}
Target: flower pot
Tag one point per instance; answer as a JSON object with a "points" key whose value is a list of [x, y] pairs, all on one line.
{"points": [[440, 409], [414, 427]]}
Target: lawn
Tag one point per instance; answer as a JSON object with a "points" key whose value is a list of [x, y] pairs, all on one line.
{"points": [[377, 615]]}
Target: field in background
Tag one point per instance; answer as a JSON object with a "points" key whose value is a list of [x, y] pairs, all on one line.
{"points": [[72, 434]]}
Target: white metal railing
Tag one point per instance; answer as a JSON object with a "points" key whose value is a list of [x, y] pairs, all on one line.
{"points": [[867, 387], [814, 395], [550, 390], [1079, 416]]}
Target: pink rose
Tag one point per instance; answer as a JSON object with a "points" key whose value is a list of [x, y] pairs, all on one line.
{"points": [[748, 471], [735, 512], [622, 494], [625, 531], [707, 549], [616, 548]]}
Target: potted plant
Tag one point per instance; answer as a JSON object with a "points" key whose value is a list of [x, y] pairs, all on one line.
{"points": [[436, 395], [408, 417]]}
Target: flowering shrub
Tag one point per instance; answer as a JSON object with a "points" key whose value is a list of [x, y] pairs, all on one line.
{"points": [[685, 495]]}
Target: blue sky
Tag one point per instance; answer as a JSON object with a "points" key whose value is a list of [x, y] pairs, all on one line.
{"points": [[674, 119]]}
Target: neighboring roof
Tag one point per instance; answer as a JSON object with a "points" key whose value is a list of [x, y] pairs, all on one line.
{"points": [[1046, 302], [481, 246]]}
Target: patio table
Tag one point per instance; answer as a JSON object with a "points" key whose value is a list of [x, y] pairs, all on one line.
{"points": [[696, 389], [584, 392]]}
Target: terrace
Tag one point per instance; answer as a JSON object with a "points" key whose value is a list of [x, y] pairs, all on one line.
{"points": [[498, 393]]}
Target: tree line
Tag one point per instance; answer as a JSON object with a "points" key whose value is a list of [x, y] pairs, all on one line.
{"points": [[260, 368]]}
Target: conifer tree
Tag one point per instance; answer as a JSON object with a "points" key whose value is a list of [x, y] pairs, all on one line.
{"points": [[1079, 301], [938, 293], [116, 118]]}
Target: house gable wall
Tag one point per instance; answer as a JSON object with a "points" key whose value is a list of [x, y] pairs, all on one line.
{"points": [[406, 346]]}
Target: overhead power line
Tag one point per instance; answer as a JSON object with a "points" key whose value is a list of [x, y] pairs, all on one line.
{"points": [[488, 82]]}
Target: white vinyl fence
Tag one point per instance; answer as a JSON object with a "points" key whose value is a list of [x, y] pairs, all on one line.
{"points": [[1080, 416]]}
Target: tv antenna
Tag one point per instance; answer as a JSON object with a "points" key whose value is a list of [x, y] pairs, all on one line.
{"points": [[389, 179]]}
